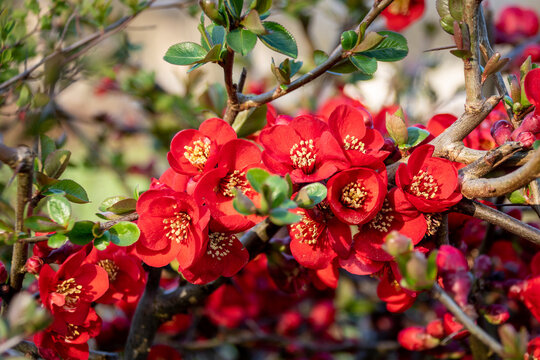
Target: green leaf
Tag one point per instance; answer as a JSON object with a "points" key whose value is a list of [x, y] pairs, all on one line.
{"points": [[47, 146], [124, 206], [319, 57], [282, 217], [516, 197], [41, 224], [56, 240], [343, 67], [102, 242], [235, 7], [279, 39], [392, 48], [366, 65], [73, 191], [371, 40], [124, 233], [217, 34], [110, 201], [431, 271], [348, 39], [462, 54], [250, 121], [59, 209], [456, 9], [310, 195], [253, 23], [56, 163], [256, 178], [81, 234], [242, 41], [261, 6], [416, 136], [536, 144], [275, 189], [185, 53], [214, 55], [243, 204]]}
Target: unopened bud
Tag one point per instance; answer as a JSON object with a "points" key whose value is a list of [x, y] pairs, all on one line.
{"points": [[397, 244], [210, 9], [526, 139], [436, 329], [515, 88], [525, 67], [243, 204], [34, 264], [496, 314], [3, 273], [501, 131], [531, 123], [482, 266], [417, 271]]}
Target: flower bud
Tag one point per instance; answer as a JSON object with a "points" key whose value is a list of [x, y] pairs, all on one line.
{"points": [[501, 131], [526, 139], [531, 123], [482, 266], [496, 314], [436, 329], [416, 270], [396, 127], [34, 264], [451, 259], [454, 327], [397, 244], [415, 338], [210, 9], [515, 88], [3, 273]]}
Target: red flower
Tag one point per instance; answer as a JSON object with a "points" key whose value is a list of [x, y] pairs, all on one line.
{"points": [[305, 148], [69, 292], [68, 341], [163, 352], [319, 237], [416, 338], [215, 188], [516, 23], [331, 104], [532, 88], [356, 195], [171, 226], [400, 14], [126, 275], [225, 255], [194, 151], [453, 327], [396, 214], [361, 145], [450, 259], [397, 299], [430, 184], [533, 349]]}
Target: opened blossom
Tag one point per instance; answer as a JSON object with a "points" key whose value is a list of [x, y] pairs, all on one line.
{"points": [[216, 188], [171, 225], [430, 183], [69, 292], [319, 237], [361, 145], [224, 255], [194, 151], [305, 148], [400, 14]]}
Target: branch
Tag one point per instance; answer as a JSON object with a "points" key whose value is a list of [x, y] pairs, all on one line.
{"points": [[103, 227], [232, 99], [92, 39], [479, 188], [496, 217], [490, 161], [250, 101], [30, 350], [466, 321], [161, 307]]}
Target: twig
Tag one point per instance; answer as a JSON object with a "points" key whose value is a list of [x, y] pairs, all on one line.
{"points": [[103, 227], [232, 98], [534, 191], [250, 101], [490, 160], [480, 188], [466, 321], [496, 217]]}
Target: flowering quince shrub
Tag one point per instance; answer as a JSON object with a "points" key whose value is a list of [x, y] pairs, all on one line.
{"points": [[279, 235]]}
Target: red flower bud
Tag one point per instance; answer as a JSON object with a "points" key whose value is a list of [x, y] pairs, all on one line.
{"points": [[531, 123], [3, 273], [34, 264], [496, 314], [482, 265], [436, 329], [501, 131], [451, 326], [526, 138], [289, 322], [396, 244], [451, 259], [416, 339]]}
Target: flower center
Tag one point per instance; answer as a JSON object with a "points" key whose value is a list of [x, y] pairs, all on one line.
{"points": [[383, 220], [219, 245], [303, 156], [197, 154], [353, 143], [177, 226], [424, 185], [71, 290], [354, 195], [72, 332], [307, 230], [110, 267], [235, 179]]}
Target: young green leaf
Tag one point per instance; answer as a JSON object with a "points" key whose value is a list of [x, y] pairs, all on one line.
{"points": [[81, 234], [348, 39], [235, 7], [56, 163], [110, 201], [41, 224], [56, 240], [279, 39], [124, 233], [256, 178], [123, 206], [277, 192], [250, 121], [242, 41], [185, 53], [366, 65], [253, 23], [47, 146], [59, 209], [416, 136], [243, 204], [102, 242], [261, 6], [281, 217], [310, 195], [73, 191], [392, 48]]}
